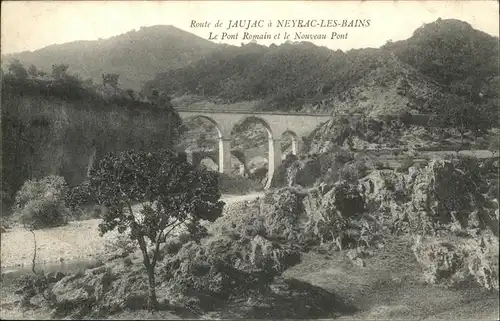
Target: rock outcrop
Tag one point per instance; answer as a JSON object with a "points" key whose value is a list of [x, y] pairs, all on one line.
{"points": [[453, 261], [443, 205]]}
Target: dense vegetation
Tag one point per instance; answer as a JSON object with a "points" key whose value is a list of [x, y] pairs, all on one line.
{"points": [[57, 125], [444, 61], [136, 55]]}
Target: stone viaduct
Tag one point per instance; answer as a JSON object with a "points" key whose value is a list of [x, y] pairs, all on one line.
{"points": [[297, 125]]}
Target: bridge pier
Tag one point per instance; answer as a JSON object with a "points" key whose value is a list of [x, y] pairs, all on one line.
{"points": [[224, 155], [189, 157], [295, 146], [274, 159]]}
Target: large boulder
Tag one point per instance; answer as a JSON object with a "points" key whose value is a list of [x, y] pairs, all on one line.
{"points": [[107, 288], [452, 261], [224, 267], [445, 198], [280, 214], [383, 190], [284, 213], [342, 218]]}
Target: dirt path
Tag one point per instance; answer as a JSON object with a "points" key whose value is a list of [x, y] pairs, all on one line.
{"points": [[238, 198]]}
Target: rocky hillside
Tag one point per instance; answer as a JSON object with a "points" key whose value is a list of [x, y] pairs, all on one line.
{"points": [[443, 59], [136, 55], [238, 269]]}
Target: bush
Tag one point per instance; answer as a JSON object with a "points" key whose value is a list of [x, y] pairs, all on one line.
{"points": [[238, 185], [40, 203], [331, 164], [406, 164], [353, 171], [276, 216]]}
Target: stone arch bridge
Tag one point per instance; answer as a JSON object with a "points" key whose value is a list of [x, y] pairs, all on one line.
{"points": [[277, 124]]}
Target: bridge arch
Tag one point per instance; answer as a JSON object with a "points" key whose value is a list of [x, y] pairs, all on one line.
{"points": [[208, 162], [295, 140], [276, 124], [224, 160], [211, 120], [274, 144]]}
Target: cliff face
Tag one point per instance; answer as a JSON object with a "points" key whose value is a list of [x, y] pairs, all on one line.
{"points": [[45, 134]]}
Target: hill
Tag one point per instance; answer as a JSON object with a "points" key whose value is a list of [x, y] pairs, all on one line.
{"points": [[136, 55], [443, 59]]}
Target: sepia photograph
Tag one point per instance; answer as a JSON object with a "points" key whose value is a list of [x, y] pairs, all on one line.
{"points": [[263, 160]]}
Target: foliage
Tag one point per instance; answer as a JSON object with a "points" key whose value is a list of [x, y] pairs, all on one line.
{"points": [[406, 163], [40, 203], [17, 70], [171, 192], [238, 185], [276, 216], [464, 116], [110, 79], [33, 71], [449, 51], [353, 171], [162, 47], [60, 71], [446, 56], [482, 174], [57, 124]]}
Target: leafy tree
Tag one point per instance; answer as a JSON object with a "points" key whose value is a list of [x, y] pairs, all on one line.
{"points": [[110, 79], [131, 94], [89, 82], [464, 116], [59, 71], [33, 71], [172, 193], [17, 70], [155, 94]]}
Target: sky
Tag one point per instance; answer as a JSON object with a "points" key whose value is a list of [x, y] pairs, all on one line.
{"points": [[31, 25]]}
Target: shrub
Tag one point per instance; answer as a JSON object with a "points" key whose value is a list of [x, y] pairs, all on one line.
{"points": [[406, 164], [332, 163], [40, 203], [238, 185], [378, 165], [276, 216], [353, 171], [224, 268]]}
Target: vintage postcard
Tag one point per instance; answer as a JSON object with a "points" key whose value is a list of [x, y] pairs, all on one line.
{"points": [[250, 160]]}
